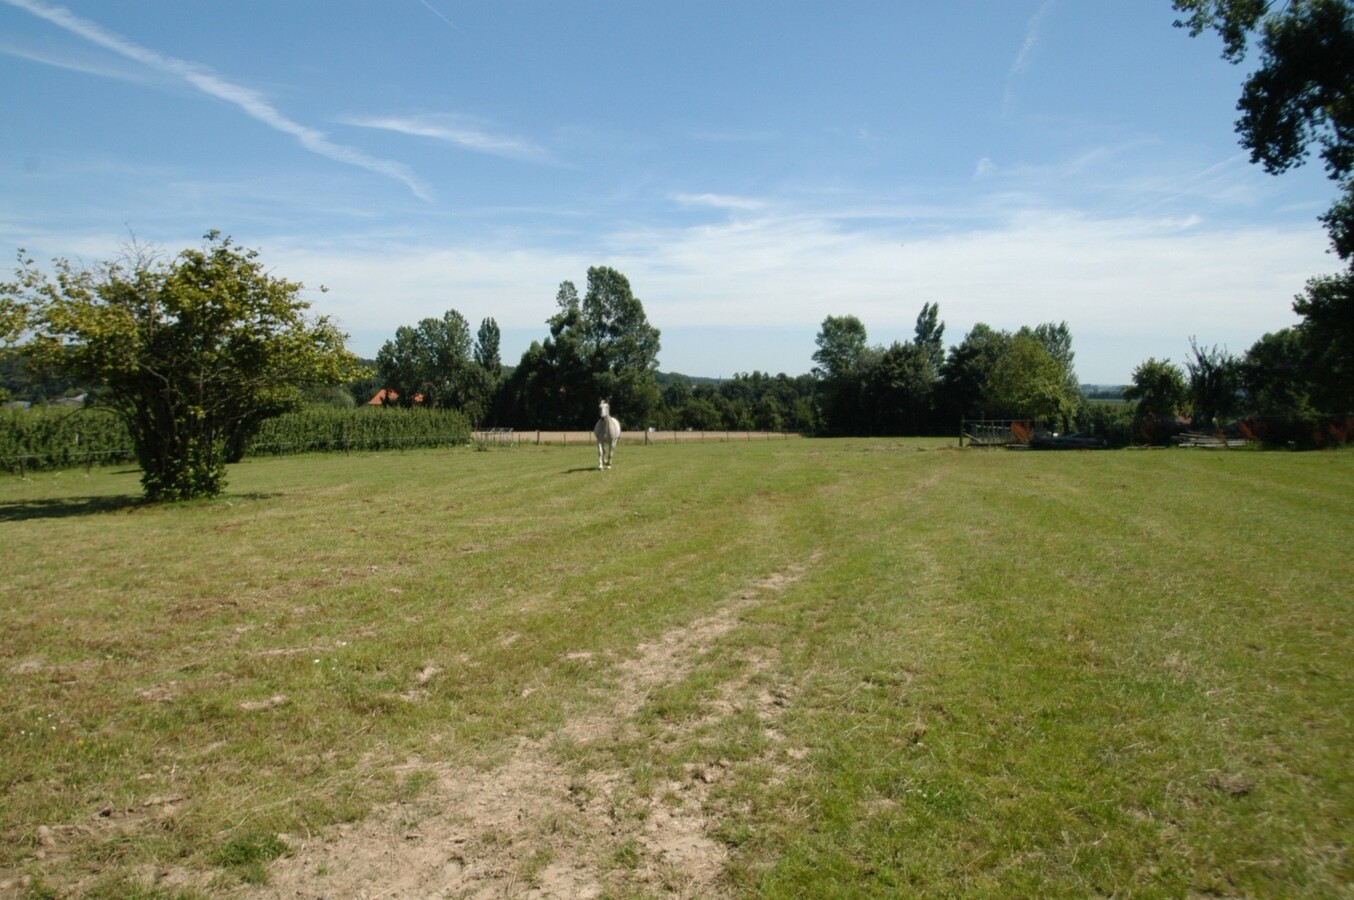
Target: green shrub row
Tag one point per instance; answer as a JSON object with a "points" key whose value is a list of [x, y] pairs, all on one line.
{"points": [[57, 438], [60, 438], [327, 428]]}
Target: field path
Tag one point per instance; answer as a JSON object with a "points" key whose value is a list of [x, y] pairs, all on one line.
{"points": [[533, 826]]}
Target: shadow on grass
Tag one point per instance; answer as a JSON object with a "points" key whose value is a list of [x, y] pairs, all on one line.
{"points": [[66, 507], [583, 469]]}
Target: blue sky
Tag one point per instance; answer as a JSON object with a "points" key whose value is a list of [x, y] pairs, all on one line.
{"points": [[752, 166]]}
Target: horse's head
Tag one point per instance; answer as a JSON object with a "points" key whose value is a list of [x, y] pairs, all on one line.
{"points": [[603, 409]]}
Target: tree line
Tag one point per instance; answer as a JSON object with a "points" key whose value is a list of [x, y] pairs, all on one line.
{"points": [[195, 353], [599, 345]]}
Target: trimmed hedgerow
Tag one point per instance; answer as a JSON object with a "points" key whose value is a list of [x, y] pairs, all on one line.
{"points": [[56, 438]]}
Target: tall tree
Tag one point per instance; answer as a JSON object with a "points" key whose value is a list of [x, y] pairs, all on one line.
{"points": [[1057, 341], [900, 389], [193, 353], [968, 368], [842, 346], [1327, 333], [614, 326], [843, 357], [1274, 377], [487, 341], [930, 334], [600, 346], [1214, 383]]}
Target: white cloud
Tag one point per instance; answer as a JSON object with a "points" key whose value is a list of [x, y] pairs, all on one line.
{"points": [[1131, 287], [719, 201], [249, 101], [456, 131]]}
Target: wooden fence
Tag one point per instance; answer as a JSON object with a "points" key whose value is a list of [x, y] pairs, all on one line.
{"points": [[509, 437]]}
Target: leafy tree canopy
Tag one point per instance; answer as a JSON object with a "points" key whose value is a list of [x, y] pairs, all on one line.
{"points": [[600, 346], [194, 352], [842, 347], [1158, 389], [1299, 94]]}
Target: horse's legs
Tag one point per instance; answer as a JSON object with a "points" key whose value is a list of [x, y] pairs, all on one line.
{"points": [[600, 450]]}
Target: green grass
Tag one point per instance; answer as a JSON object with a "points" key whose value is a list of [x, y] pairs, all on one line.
{"points": [[980, 672]]}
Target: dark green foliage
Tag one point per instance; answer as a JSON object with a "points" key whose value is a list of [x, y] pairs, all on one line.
{"points": [[1274, 377], [752, 401], [426, 364], [57, 438], [913, 388], [369, 428], [1108, 419], [1299, 94], [599, 347], [1156, 397], [1327, 332], [192, 353], [1214, 384]]}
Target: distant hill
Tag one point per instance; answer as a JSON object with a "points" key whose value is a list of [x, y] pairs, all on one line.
{"points": [[1103, 391], [666, 378]]}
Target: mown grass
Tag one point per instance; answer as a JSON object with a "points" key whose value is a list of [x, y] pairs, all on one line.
{"points": [[1000, 673]]}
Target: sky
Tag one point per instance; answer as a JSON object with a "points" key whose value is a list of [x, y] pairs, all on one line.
{"points": [[751, 166]]}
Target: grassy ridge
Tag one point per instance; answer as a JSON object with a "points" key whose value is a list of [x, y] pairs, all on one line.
{"points": [[998, 673]]}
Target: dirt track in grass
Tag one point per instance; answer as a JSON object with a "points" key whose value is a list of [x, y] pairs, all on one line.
{"points": [[537, 826]]}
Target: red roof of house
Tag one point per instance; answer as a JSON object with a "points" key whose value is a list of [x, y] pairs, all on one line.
{"points": [[385, 395]]}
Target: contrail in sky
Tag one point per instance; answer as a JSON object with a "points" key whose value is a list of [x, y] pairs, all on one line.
{"points": [[434, 11], [1022, 59], [251, 102]]}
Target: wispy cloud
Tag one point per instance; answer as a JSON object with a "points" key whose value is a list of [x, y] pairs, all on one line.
{"points": [[1022, 60], [249, 101], [439, 15], [455, 131], [719, 201], [117, 72]]}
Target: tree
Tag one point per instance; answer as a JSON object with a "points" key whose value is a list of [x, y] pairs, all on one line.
{"points": [[1327, 332], [13, 318], [842, 348], [930, 334], [400, 368], [193, 353], [1027, 382], [487, 340], [599, 347], [1299, 94], [900, 389], [968, 368], [1274, 377], [1214, 383], [1057, 341], [1158, 393], [843, 356], [614, 327], [428, 363]]}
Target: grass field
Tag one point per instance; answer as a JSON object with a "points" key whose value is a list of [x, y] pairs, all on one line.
{"points": [[781, 669]]}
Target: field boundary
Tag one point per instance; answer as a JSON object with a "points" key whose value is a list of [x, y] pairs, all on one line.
{"points": [[569, 438]]}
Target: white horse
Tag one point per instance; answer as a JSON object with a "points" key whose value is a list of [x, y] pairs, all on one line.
{"points": [[608, 432]]}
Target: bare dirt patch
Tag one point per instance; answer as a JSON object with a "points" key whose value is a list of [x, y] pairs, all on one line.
{"points": [[537, 826]]}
